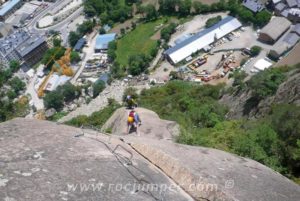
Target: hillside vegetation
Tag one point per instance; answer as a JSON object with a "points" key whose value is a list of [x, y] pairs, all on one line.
{"points": [[137, 41], [273, 139]]}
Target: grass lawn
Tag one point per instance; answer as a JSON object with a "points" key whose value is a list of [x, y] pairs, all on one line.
{"points": [[137, 41]]}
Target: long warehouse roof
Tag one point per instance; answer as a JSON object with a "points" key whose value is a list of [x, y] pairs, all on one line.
{"points": [[202, 39], [103, 40]]}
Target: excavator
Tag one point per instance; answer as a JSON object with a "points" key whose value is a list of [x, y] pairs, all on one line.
{"points": [[61, 66]]}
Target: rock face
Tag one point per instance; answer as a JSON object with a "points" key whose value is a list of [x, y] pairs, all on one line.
{"points": [[288, 92], [42, 160], [152, 126], [210, 174], [50, 112]]}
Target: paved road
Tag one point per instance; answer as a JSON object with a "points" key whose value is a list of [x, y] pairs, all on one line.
{"points": [[32, 24], [89, 51], [62, 26], [37, 102]]}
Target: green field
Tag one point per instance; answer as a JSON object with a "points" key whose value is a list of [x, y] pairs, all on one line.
{"points": [[137, 41]]}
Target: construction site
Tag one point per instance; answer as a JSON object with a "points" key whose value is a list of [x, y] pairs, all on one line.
{"points": [[202, 69], [61, 71]]}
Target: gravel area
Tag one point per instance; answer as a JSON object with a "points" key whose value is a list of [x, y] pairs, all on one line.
{"points": [[115, 91]]}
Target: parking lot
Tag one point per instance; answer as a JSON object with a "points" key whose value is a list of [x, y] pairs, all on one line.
{"points": [[234, 42]]}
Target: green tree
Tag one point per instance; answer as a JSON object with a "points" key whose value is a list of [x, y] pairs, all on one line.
{"points": [[85, 27], [102, 31], [56, 42], [98, 87], [75, 57], [54, 99], [238, 79], [200, 8], [11, 94], [245, 15], [255, 50], [52, 54], [89, 10], [17, 85], [98, 118], [168, 31], [150, 12], [133, 25], [73, 38], [168, 7], [69, 92], [285, 120], [260, 143], [14, 66], [123, 31], [184, 7], [5, 75], [111, 52], [266, 83], [137, 64], [262, 18], [212, 21]]}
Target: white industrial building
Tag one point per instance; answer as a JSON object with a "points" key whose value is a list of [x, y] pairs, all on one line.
{"points": [[262, 64], [202, 39], [56, 80]]}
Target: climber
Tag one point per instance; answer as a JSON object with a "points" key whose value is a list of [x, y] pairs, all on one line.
{"points": [[133, 121], [130, 102]]}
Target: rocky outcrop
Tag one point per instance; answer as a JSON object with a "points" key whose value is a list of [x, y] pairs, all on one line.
{"points": [[151, 127], [288, 92], [42, 160], [210, 174]]}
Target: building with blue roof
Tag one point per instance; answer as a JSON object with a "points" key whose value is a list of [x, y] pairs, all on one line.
{"points": [[80, 44], [103, 40], [202, 39], [9, 8]]}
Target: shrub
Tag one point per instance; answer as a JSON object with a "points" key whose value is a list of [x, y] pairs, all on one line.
{"points": [[75, 57], [265, 83], [212, 21], [255, 50], [98, 88], [69, 92], [54, 100], [97, 119], [17, 85]]}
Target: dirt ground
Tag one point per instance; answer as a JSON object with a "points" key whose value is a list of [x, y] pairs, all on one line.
{"points": [[193, 26], [162, 72], [117, 29]]}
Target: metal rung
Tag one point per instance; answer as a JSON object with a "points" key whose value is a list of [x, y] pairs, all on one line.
{"points": [[131, 155]]}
